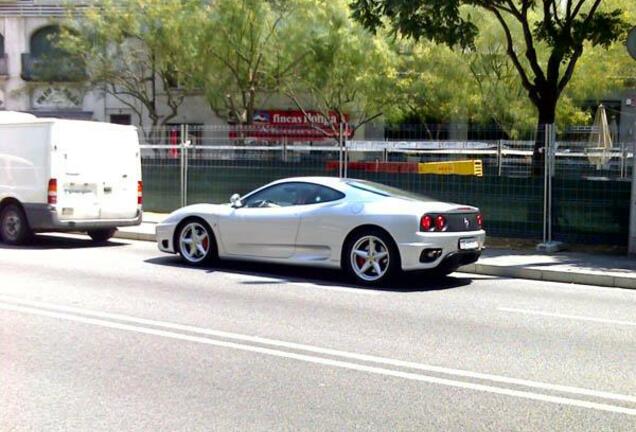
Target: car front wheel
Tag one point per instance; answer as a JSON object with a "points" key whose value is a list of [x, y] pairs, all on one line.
{"points": [[371, 258], [195, 242]]}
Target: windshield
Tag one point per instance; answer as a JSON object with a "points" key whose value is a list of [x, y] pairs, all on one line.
{"points": [[387, 191]]}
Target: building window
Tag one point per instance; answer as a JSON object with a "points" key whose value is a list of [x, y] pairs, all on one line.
{"points": [[46, 61], [4, 70], [44, 41], [122, 119]]}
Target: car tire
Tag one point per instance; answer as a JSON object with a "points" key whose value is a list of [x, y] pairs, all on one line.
{"points": [[102, 235], [195, 242], [14, 226], [375, 268]]}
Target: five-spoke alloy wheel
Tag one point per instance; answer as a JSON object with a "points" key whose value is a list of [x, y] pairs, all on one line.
{"points": [[371, 257], [196, 243]]}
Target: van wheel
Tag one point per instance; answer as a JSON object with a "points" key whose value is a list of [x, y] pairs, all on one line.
{"points": [[14, 227], [102, 235]]}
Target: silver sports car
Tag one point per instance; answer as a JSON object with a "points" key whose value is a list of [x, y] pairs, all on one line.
{"points": [[369, 230]]}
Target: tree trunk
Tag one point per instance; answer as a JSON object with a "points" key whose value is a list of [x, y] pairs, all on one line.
{"points": [[547, 115]]}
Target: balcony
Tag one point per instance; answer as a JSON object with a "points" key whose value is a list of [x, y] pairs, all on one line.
{"points": [[52, 69]]}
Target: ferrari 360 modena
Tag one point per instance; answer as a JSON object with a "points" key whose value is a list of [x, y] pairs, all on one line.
{"points": [[369, 230]]}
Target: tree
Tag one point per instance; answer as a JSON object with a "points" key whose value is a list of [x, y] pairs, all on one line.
{"points": [[135, 50], [429, 85], [563, 27], [346, 75], [248, 51]]}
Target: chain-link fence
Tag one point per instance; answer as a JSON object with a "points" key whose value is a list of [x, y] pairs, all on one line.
{"points": [[590, 186]]}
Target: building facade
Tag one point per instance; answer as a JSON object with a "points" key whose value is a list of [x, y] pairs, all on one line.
{"points": [[25, 30]]}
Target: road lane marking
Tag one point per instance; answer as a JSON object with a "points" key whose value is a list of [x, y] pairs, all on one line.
{"points": [[303, 347], [566, 316], [327, 362]]}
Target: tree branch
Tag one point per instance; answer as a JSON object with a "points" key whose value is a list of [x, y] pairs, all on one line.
{"points": [[515, 59]]}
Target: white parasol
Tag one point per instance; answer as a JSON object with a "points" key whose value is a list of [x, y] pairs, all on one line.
{"points": [[599, 148]]}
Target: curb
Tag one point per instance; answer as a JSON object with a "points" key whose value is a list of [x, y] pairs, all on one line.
{"points": [[493, 270], [552, 275], [135, 236]]}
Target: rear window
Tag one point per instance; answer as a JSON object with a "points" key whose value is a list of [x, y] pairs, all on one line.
{"points": [[386, 191]]}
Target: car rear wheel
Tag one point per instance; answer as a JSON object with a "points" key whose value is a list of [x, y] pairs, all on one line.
{"points": [[14, 227], [102, 235], [371, 257], [196, 243]]}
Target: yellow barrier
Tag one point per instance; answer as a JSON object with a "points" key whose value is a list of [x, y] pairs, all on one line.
{"points": [[463, 167]]}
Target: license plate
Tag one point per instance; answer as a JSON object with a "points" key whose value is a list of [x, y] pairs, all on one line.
{"points": [[468, 244]]}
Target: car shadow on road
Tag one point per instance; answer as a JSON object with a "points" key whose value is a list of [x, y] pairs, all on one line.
{"points": [[281, 274], [45, 242]]}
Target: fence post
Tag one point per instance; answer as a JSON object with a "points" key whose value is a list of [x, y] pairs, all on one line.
{"points": [[499, 155], [182, 174], [632, 206], [284, 149], [623, 165], [549, 153], [342, 154], [184, 165], [546, 193], [186, 146]]}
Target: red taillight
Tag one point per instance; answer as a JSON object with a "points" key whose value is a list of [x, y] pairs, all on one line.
{"points": [[440, 223], [426, 223], [480, 220], [52, 192], [432, 223], [140, 192]]}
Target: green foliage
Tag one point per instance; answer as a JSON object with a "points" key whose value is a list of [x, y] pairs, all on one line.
{"points": [[347, 69], [135, 50], [423, 59], [438, 20], [543, 40], [248, 50]]}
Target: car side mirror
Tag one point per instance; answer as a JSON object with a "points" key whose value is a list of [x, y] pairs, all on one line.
{"points": [[235, 201]]}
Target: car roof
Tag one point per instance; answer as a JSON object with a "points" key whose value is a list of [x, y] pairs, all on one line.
{"points": [[333, 182]]}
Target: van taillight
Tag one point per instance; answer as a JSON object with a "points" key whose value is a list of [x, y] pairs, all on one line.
{"points": [[52, 192], [140, 192]]}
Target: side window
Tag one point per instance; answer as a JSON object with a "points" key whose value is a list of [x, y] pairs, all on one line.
{"points": [[281, 195], [289, 194], [317, 194]]}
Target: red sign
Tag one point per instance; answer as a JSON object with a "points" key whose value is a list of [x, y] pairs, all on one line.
{"points": [[294, 125]]}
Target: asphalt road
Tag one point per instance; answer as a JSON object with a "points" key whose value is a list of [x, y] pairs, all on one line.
{"points": [[123, 338]]}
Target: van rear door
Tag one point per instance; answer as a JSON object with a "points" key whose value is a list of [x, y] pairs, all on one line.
{"points": [[98, 170]]}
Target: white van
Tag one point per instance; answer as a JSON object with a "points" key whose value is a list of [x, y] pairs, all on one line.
{"points": [[67, 175]]}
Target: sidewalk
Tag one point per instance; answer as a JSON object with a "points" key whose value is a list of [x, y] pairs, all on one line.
{"points": [[569, 267]]}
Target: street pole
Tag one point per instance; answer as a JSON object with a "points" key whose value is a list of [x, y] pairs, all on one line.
{"points": [[631, 48], [632, 206]]}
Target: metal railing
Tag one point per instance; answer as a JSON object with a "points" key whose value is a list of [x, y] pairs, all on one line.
{"points": [[51, 68], [39, 8], [588, 192]]}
